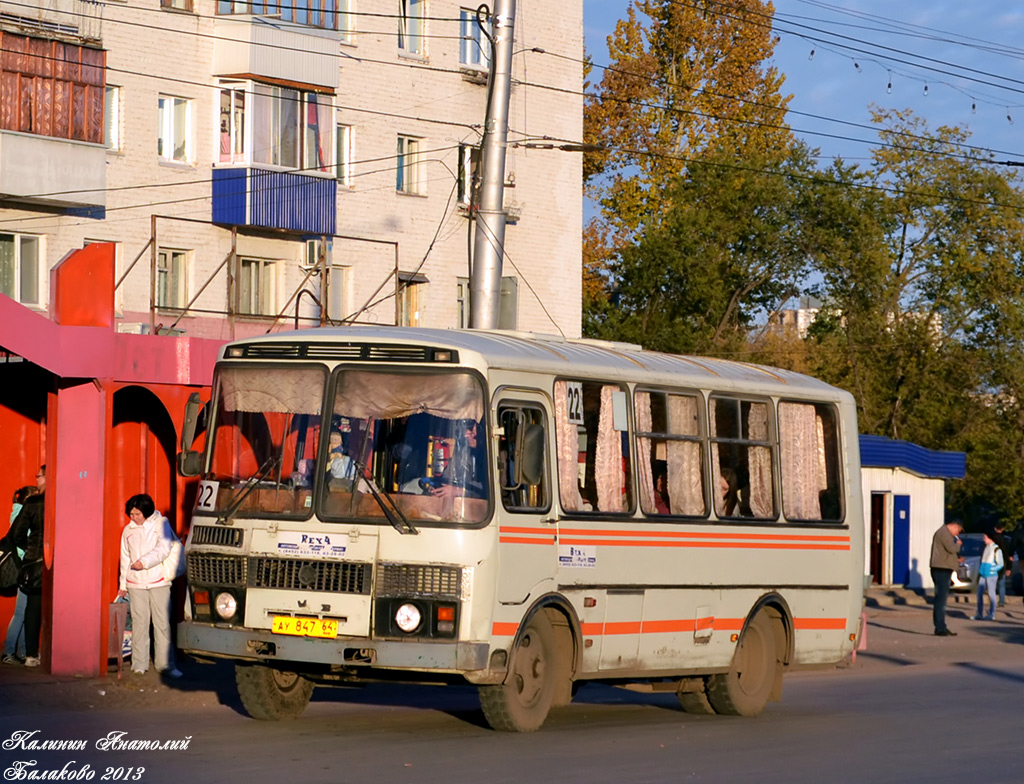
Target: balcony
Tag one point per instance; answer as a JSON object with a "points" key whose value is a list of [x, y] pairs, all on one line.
{"points": [[300, 203], [271, 49], [48, 170]]}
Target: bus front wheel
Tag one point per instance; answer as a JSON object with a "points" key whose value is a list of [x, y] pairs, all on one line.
{"points": [[522, 702], [744, 690], [270, 694]]}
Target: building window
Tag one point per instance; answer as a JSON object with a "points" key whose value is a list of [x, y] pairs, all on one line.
{"points": [[172, 143], [508, 308], [257, 287], [343, 155], [64, 101], [232, 125], [177, 5], [409, 304], [474, 48], [112, 118], [410, 26], [275, 126], [407, 169], [19, 268], [312, 13], [171, 273], [469, 165]]}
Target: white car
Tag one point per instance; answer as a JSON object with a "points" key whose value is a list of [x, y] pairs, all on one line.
{"points": [[965, 576]]}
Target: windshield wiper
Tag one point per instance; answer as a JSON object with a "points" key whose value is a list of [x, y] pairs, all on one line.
{"points": [[391, 511], [243, 492]]}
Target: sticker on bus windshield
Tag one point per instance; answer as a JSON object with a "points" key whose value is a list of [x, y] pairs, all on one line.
{"points": [[206, 498], [576, 556], [321, 545]]}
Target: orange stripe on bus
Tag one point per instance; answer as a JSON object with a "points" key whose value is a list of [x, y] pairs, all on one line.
{"points": [[513, 529], [523, 540], [703, 535], [591, 629], [741, 545], [504, 629], [667, 627]]}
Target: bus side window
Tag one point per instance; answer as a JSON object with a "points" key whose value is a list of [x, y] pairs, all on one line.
{"points": [[742, 458], [669, 453], [522, 450], [593, 447], [810, 465]]}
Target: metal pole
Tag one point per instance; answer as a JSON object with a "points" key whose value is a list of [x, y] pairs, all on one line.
{"points": [[489, 243]]}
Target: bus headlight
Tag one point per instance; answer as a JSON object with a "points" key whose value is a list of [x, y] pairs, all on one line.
{"points": [[225, 605], [408, 617]]}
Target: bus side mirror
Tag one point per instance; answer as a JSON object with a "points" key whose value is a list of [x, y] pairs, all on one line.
{"points": [[188, 428], [189, 461], [530, 466]]}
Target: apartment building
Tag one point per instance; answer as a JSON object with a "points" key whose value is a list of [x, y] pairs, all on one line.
{"points": [[261, 165]]}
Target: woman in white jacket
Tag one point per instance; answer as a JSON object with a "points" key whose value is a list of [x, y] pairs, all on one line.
{"points": [[145, 544]]}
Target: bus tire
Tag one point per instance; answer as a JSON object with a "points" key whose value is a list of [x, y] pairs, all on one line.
{"points": [[522, 702], [744, 690], [695, 702], [270, 694]]}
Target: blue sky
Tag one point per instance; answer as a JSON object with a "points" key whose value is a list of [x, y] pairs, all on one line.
{"points": [[964, 52]]}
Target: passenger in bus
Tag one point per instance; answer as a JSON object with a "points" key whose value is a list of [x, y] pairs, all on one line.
{"points": [[728, 485], [465, 472], [339, 465], [661, 502]]}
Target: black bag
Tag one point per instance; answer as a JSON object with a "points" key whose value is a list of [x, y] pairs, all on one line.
{"points": [[30, 578], [10, 568]]}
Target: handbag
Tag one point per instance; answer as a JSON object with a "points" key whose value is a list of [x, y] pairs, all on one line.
{"points": [[30, 577], [174, 565], [10, 568]]}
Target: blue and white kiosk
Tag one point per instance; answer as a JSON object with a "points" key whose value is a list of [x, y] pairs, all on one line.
{"points": [[904, 489]]}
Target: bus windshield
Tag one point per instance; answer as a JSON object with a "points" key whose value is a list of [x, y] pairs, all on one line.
{"points": [[418, 437], [265, 439]]}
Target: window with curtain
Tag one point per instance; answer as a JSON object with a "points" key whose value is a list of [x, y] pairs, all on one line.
{"points": [[174, 129], [742, 457], [276, 126], [669, 456], [593, 447], [810, 462]]}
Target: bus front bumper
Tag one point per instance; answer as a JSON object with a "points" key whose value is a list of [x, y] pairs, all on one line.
{"points": [[203, 639]]}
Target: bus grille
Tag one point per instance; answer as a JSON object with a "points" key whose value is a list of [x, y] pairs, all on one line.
{"points": [[215, 569], [217, 535], [290, 573], [408, 580]]}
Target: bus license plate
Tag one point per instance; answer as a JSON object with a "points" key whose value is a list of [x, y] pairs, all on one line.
{"points": [[305, 627]]}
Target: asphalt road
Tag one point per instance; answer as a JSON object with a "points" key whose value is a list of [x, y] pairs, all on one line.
{"points": [[913, 707]]}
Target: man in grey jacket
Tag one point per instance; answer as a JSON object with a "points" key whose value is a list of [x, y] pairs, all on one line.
{"points": [[945, 557]]}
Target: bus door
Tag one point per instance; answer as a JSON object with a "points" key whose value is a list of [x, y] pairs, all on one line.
{"points": [[526, 526]]}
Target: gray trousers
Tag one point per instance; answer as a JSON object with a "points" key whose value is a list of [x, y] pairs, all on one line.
{"points": [[153, 604]]}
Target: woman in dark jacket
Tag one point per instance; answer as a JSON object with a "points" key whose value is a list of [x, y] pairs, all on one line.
{"points": [[27, 533]]}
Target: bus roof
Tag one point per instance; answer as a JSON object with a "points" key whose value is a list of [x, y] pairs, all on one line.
{"points": [[532, 352]]}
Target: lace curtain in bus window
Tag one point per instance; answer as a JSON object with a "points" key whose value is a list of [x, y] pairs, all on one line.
{"points": [[608, 471], [685, 478], [643, 450], [802, 447], [567, 439], [759, 462]]}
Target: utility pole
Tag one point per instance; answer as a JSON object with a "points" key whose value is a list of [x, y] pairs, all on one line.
{"points": [[489, 241]]}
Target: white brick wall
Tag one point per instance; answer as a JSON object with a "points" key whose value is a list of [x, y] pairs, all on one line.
{"points": [[382, 95]]}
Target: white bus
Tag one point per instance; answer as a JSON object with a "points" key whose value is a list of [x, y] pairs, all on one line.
{"points": [[521, 513]]}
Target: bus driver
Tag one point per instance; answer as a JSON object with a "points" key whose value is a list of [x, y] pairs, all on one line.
{"points": [[464, 475]]}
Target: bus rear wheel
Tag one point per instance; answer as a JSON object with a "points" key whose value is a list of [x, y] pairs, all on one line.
{"points": [[522, 702], [744, 690], [270, 694]]}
